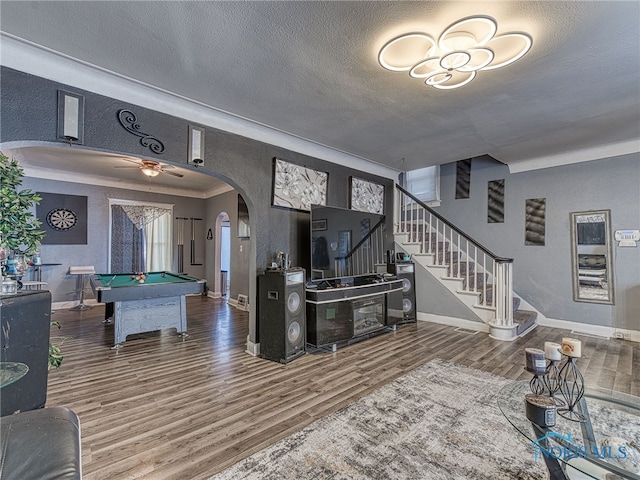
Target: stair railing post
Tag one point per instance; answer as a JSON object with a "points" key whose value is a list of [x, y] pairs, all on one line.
{"points": [[504, 292]]}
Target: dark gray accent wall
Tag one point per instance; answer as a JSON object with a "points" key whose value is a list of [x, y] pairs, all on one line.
{"points": [[542, 274], [29, 115]]}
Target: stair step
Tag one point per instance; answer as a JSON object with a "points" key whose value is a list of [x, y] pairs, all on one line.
{"points": [[524, 319], [473, 280]]}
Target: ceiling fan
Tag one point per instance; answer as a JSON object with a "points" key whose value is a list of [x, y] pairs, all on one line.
{"points": [[151, 168]]}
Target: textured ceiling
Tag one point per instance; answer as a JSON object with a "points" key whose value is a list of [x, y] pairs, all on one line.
{"points": [[310, 69]]}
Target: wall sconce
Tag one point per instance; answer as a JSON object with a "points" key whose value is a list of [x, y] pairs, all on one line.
{"points": [[196, 146], [70, 117]]}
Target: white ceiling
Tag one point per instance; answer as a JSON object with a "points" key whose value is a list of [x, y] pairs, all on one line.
{"points": [[308, 71]]}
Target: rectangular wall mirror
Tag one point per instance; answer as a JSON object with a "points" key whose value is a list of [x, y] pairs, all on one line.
{"points": [[591, 256]]}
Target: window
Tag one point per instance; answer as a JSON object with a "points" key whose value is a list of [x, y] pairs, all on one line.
{"points": [[141, 236], [423, 183]]}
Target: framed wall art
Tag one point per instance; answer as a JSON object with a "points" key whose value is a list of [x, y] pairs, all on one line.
{"points": [[366, 196], [298, 187], [495, 201], [534, 221], [319, 225]]}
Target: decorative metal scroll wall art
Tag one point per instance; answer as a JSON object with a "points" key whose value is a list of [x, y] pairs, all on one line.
{"points": [[128, 120], [534, 223], [367, 196], [495, 205], [298, 187]]}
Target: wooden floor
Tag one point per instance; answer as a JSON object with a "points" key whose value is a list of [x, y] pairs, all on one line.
{"points": [[163, 408]]}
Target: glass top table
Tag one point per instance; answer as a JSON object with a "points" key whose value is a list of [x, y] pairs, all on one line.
{"points": [[606, 446], [11, 372]]}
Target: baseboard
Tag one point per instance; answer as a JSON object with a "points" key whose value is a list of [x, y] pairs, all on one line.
{"points": [[253, 349], [588, 329], [72, 303], [452, 321], [211, 294]]}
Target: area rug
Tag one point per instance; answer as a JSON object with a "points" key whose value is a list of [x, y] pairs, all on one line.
{"points": [[440, 421]]}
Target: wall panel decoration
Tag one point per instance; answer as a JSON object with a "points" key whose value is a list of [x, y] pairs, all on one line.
{"points": [[495, 204], [366, 196], [463, 178], [298, 187], [534, 223], [64, 219]]}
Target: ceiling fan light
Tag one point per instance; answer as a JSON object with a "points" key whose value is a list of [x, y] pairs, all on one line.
{"points": [[150, 172]]}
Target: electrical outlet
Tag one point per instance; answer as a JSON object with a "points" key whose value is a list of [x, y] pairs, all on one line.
{"points": [[618, 335]]}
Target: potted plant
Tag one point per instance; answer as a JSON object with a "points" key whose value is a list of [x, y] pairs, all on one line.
{"points": [[19, 228], [20, 231]]}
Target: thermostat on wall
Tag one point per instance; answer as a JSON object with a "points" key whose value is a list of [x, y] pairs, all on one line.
{"points": [[626, 238]]}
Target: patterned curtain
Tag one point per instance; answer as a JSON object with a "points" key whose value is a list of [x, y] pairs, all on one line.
{"points": [[142, 215], [141, 238], [126, 242]]}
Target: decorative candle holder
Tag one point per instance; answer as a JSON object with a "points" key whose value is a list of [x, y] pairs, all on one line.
{"points": [[535, 364], [553, 382], [572, 389], [536, 385]]}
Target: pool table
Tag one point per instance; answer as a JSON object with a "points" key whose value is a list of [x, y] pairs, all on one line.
{"points": [[137, 307]]}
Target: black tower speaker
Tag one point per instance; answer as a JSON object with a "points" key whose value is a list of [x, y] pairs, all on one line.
{"points": [[405, 271], [281, 314]]}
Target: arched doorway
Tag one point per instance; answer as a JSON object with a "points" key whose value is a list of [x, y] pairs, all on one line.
{"points": [[222, 255]]}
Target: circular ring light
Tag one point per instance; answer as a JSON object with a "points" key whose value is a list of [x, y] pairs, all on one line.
{"points": [[482, 29], [425, 68], [438, 78], [480, 58], [457, 82], [454, 60], [508, 48], [402, 53]]}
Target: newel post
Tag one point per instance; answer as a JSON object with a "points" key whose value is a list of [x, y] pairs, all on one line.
{"points": [[503, 328]]}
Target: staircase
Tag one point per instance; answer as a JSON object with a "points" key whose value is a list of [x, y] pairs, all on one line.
{"points": [[476, 276]]}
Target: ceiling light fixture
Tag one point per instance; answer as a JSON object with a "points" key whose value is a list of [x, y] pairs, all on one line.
{"points": [[463, 49], [150, 172]]}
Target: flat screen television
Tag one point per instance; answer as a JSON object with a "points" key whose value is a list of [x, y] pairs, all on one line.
{"points": [[334, 233]]}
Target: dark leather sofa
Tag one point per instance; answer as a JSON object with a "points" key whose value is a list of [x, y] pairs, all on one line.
{"points": [[42, 444]]}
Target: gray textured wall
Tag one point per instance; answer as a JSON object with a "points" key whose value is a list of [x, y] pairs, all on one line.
{"points": [[239, 247], [95, 252], [542, 274], [29, 115]]}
